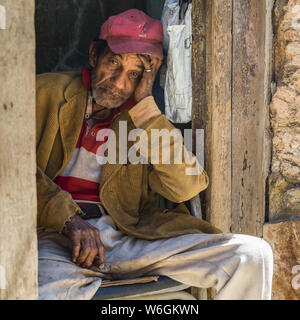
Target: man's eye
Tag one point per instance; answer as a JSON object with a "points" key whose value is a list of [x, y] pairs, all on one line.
{"points": [[114, 61], [135, 74]]}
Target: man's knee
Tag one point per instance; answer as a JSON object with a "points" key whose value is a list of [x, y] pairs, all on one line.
{"points": [[255, 251]]}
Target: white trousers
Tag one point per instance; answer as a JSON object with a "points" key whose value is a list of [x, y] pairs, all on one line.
{"points": [[237, 266]]}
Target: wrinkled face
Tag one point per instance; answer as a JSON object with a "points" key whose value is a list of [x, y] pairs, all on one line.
{"points": [[114, 77]]}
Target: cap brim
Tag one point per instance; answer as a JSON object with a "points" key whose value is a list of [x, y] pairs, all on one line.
{"points": [[134, 46]]}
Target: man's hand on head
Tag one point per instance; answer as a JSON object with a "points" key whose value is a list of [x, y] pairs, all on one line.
{"points": [[144, 88], [87, 248]]}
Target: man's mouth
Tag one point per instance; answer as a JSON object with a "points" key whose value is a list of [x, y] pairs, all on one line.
{"points": [[112, 93], [109, 91]]}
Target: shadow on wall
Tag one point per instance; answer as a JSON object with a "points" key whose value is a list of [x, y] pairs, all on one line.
{"points": [[64, 29]]}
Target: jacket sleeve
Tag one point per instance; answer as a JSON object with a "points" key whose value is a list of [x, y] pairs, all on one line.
{"points": [[55, 206], [173, 181]]}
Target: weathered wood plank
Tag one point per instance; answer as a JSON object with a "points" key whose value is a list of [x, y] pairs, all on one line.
{"points": [[248, 117], [212, 102], [199, 110], [219, 62], [199, 107], [231, 86], [18, 240]]}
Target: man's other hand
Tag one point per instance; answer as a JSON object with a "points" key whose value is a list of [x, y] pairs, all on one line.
{"points": [[87, 248], [144, 88]]}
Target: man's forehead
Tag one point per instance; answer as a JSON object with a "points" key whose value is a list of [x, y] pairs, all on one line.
{"points": [[131, 58]]}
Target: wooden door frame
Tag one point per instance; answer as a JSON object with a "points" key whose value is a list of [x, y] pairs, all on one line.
{"points": [[231, 70]]}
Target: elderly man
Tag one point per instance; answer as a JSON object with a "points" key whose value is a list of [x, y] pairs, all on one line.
{"points": [[96, 220]]}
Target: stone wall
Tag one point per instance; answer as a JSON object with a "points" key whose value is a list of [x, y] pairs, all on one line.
{"points": [[283, 231], [285, 113], [18, 243]]}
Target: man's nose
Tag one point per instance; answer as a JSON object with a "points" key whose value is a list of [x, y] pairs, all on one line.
{"points": [[119, 81]]}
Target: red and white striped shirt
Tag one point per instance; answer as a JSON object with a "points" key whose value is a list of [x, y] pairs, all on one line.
{"points": [[82, 174]]}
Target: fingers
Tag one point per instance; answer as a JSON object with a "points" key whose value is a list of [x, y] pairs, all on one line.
{"points": [[75, 247], [84, 251], [145, 60], [96, 249], [100, 251], [150, 62], [156, 62], [88, 252], [87, 248], [86, 242]]}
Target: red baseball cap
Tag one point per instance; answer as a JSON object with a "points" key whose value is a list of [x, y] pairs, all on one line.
{"points": [[132, 31]]}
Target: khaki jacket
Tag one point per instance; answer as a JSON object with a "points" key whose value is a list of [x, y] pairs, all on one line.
{"points": [[126, 190]]}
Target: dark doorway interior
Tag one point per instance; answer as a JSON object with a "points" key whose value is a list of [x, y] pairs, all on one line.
{"points": [[64, 29]]}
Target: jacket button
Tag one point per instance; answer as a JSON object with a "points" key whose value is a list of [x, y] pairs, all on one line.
{"points": [[93, 133]]}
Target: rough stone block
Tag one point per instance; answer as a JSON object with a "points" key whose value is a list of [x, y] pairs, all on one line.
{"points": [[284, 181], [284, 238]]}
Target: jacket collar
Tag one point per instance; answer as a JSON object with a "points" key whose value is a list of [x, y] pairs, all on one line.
{"points": [[75, 87], [71, 115]]}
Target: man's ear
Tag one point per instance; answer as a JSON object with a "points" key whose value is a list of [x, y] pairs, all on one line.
{"points": [[93, 55]]}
